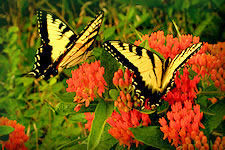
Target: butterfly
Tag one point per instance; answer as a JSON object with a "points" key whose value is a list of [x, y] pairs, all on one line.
{"points": [[153, 76], [60, 46]]}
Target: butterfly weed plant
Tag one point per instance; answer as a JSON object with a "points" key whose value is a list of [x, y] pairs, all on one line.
{"points": [[94, 105]]}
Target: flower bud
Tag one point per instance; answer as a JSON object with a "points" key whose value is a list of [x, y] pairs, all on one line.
{"points": [[115, 81], [128, 97], [120, 73], [122, 96], [121, 82]]}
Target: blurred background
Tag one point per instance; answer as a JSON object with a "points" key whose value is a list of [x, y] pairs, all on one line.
{"points": [[32, 104]]}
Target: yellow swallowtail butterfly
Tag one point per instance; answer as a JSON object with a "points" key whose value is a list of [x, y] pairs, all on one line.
{"points": [[153, 77], [60, 46]]}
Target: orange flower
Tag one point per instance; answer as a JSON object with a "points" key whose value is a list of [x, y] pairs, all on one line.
{"points": [[219, 143], [88, 82], [212, 63], [182, 121], [167, 45], [121, 122], [17, 138], [185, 88], [123, 82]]}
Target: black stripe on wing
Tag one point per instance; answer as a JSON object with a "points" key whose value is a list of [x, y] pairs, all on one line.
{"points": [[140, 87], [43, 63], [42, 26], [43, 29], [96, 29]]}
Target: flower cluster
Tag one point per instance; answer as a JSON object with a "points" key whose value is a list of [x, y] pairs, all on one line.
{"points": [[182, 124], [185, 88], [219, 144], [119, 81], [88, 82], [183, 121], [169, 46], [123, 101], [212, 63], [121, 122], [17, 138], [198, 141]]}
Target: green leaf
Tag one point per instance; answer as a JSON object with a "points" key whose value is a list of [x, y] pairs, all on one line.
{"points": [[68, 108], [114, 94], [145, 111], [109, 32], [102, 112], [57, 87], [77, 117], [65, 108], [66, 97], [4, 130], [106, 61], [107, 141], [151, 136], [13, 29], [52, 81], [26, 81], [211, 122]]}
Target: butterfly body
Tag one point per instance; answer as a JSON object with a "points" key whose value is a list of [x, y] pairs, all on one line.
{"points": [[60, 46], [153, 76]]}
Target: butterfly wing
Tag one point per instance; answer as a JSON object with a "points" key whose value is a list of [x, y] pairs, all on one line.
{"points": [[56, 33], [176, 64], [84, 43], [60, 46], [56, 38], [153, 76], [146, 66]]}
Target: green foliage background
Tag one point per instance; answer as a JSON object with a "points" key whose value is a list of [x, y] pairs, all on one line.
{"points": [[39, 106]]}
